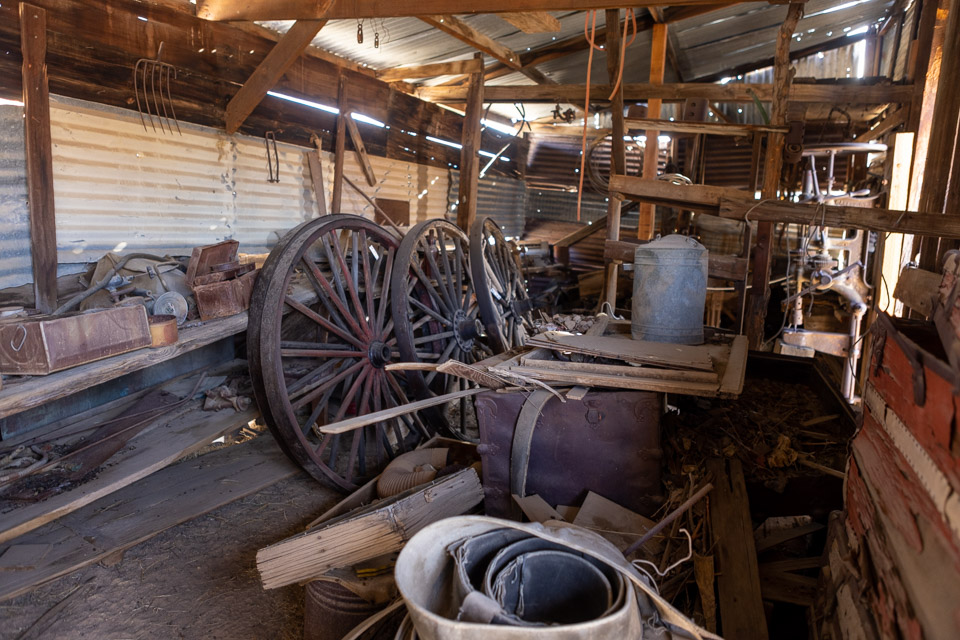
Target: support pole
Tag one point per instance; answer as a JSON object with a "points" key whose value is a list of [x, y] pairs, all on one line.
{"points": [[469, 158], [618, 153], [651, 151], [782, 76], [340, 146], [39, 156]]}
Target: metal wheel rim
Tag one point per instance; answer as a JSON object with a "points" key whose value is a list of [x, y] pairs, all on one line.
{"points": [[358, 326], [501, 290]]}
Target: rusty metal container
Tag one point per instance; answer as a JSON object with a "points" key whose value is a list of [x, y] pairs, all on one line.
{"points": [[669, 290], [608, 443], [331, 610], [44, 345]]}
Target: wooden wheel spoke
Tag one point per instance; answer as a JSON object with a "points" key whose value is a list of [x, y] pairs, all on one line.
{"points": [[444, 356], [320, 353], [323, 322], [430, 312], [385, 295], [436, 337], [351, 394], [368, 282], [426, 284], [316, 391], [449, 304], [444, 257], [351, 284], [329, 295]]}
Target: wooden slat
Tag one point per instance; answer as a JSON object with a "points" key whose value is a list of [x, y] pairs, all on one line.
{"points": [[431, 70], [340, 146], [720, 267], [738, 581], [618, 153], [39, 156], [696, 197], [679, 356], [533, 21], [583, 232], [177, 494], [160, 444], [658, 66], [465, 33], [469, 153], [354, 9], [675, 92], [362, 158], [379, 416], [316, 177], [286, 51], [710, 128], [381, 528]]}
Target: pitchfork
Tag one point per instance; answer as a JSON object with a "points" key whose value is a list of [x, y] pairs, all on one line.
{"points": [[155, 73]]}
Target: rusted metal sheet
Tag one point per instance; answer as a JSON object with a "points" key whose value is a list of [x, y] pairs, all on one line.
{"points": [[39, 347], [608, 443], [227, 298]]}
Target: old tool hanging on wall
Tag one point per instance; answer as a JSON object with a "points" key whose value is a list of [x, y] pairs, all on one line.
{"points": [[151, 88], [273, 157]]}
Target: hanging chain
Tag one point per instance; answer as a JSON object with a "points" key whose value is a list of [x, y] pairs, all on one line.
{"points": [[359, 31]]}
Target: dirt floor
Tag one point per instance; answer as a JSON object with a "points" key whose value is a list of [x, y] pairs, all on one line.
{"points": [[197, 580]]}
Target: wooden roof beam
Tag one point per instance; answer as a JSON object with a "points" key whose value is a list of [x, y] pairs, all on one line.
{"points": [[431, 70], [533, 21], [359, 9], [266, 75], [465, 33], [732, 92]]}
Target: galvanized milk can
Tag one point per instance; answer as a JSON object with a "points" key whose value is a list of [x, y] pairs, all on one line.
{"points": [[669, 290]]}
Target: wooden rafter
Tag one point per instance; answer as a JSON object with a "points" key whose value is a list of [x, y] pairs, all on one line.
{"points": [[356, 9], [533, 21], [431, 70], [266, 75], [865, 93], [465, 33]]}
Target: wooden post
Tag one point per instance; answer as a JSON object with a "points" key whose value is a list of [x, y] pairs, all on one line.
{"points": [[940, 150], [618, 153], [782, 76], [39, 156], [651, 151], [340, 145], [892, 244], [469, 158]]}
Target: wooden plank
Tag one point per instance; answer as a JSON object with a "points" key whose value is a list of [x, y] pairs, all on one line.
{"points": [[658, 65], [722, 267], [355, 9], [144, 509], [918, 289], [161, 443], [784, 535], [624, 348], [362, 158], [381, 528], [694, 126], [536, 508], [620, 370], [617, 524], [738, 582], [533, 21], [618, 153], [696, 197], [731, 383], [340, 146], [677, 92], [266, 75], [617, 381], [39, 156], [469, 158], [379, 416], [886, 125], [316, 177], [457, 67], [582, 233]]}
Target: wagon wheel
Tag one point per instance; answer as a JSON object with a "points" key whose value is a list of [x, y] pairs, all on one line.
{"points": [[436, 314], [505, 307], [320, 335]]}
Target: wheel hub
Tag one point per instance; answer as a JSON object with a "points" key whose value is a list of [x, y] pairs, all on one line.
{"points": [[379, 354], [466, 330]]}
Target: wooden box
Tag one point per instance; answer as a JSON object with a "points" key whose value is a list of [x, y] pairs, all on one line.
{"points": [[227, 298], [42, 346]]}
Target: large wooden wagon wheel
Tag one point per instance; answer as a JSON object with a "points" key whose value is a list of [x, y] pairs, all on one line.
{"points": [[505, 307], [436, 314], [320, 336]]}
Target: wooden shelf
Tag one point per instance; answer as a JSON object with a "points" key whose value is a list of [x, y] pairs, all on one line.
{"points": [[27, 392]]}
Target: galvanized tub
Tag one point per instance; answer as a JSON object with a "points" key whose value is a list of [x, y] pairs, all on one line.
{"points": [[608, 443], [669, 290]]}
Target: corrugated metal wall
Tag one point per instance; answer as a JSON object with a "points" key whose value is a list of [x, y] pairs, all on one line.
{"points": [[502, 199], [120, 188], [14, 219]]}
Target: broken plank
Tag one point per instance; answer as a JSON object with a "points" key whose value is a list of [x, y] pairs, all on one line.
{"points": [[146, 508], [362, 158], [168, 439], [703, 389], [380, 528], [624, 348], [621, 370], [379, 416], [739, 594]]}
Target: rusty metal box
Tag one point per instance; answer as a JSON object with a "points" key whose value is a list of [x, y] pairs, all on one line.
{"points": [[227, 298], [42, 346], [608, 443]]}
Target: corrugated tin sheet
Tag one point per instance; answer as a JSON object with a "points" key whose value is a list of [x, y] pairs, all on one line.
{"points": [[502, 199], [120, 188], [15, 265], [562, 205]]}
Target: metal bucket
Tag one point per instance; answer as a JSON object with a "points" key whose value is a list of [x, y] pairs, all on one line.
{"points": [[332, 611], [669, 290]]}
